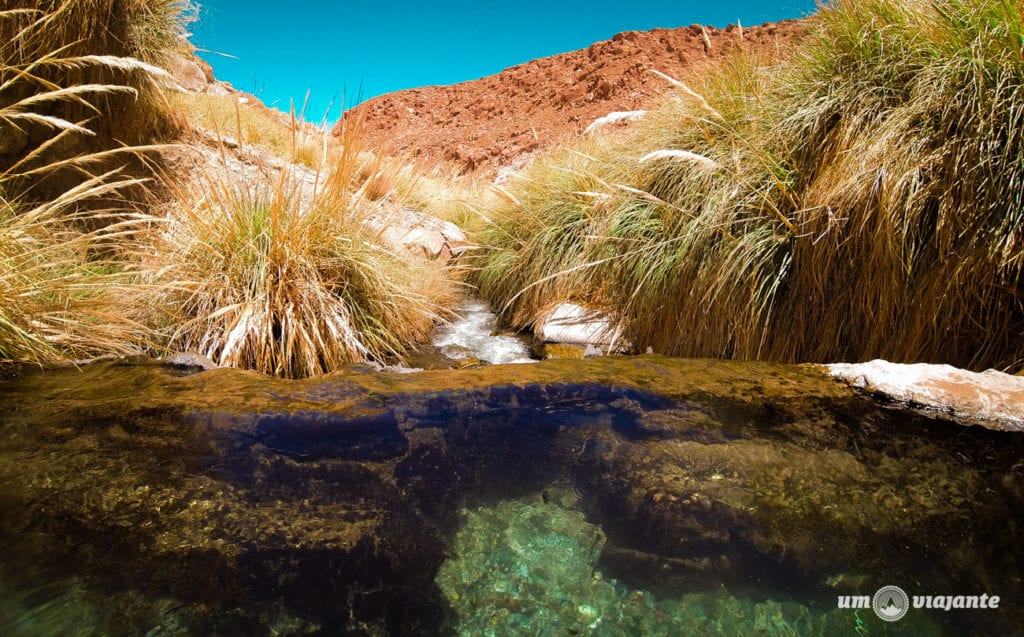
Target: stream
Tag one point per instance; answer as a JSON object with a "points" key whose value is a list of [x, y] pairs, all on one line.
{"points": [[606, 496], [473, 337]]}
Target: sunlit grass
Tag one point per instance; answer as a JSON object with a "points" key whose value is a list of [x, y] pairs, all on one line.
{"points": [[64, 292], [291, 139], [290, 281], [860, 199], [58, 299], [60, 44], [279, 275]]}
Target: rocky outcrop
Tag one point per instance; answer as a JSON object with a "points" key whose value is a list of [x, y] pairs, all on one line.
{"points": [[483, 125], [423, 235], [188, 73], [991, 397]]}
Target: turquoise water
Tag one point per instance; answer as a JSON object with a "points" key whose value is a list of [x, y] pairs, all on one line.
{"points": [[530, 567]]}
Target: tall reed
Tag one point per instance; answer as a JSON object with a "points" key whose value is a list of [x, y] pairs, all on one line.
{"points": [[859, 198], [63, 219], [48, 44]]}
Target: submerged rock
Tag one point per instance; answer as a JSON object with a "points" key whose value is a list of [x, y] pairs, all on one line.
{"points": [[526, 564], [530, 566], [135, 499], [565, 350]]}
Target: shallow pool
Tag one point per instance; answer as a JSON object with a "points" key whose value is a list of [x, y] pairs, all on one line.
{"points": [[610, 496]]}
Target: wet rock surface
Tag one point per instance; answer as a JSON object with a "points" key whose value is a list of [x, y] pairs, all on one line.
{"points": [[138, 498], [572, 324]]}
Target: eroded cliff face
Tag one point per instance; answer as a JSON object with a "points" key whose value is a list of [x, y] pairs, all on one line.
{"points": [[486, 124]]}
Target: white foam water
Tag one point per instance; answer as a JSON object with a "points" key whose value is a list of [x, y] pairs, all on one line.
{"points": [[473, 335]]}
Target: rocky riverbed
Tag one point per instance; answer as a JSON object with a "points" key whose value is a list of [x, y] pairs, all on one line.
{"points": [[606, 494]]}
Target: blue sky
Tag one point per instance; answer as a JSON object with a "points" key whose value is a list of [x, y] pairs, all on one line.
{"points": [[332, 48]]}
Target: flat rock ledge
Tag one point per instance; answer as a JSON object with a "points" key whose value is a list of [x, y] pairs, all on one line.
{"points": [[990, 398]]}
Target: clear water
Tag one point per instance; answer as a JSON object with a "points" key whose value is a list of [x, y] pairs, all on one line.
{"points": [[530, 567], [612, 496]]}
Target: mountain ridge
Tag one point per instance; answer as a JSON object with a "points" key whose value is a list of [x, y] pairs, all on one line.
{"points": [[481, 126]]}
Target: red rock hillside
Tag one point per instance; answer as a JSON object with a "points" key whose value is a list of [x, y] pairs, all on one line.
{"points": [[483, 125]]}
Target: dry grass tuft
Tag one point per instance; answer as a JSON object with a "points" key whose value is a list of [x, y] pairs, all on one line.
{"points": [[291, 139], [282, 277], [859, 199], [58, 299], [288, 280], [63, 285], [53, 44]]}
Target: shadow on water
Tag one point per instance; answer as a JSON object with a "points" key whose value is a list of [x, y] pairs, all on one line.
{"points": [[613, 496]]}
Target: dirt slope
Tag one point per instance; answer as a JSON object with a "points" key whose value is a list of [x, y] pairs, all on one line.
{"points": [[486, 124]]}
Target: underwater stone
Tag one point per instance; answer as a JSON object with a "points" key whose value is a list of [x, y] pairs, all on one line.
{"points": [[528, 567], [334, 502]]}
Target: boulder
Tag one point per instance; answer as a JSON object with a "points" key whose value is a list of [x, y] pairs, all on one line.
{"points": [[219, 89], [427, 243], [424, 235], [189, 75], [575, 324], [190, 360], [207, 69], [990, 396]]}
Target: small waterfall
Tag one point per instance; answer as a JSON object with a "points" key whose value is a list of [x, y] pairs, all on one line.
{"points": [[474, 335]]}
